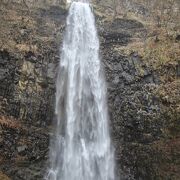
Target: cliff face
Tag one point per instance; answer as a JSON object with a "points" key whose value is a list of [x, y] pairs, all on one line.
{"points": [[143, 89], [29, 57]]}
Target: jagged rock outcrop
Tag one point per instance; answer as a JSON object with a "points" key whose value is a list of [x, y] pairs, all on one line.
{"points": [[143, 101]]}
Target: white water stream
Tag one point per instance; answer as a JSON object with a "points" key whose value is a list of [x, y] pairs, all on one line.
{"points": [[81, 149]]}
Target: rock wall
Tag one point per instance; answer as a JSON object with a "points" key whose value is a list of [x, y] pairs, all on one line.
{"points": [[143, 101], [29, 58]]}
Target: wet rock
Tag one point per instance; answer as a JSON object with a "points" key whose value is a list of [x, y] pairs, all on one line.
{"points": [[126, 24], [3, 73], [119, 38], [178, 38], [21, 148], [30, 56], [178, 69], [127, 77], [51, 70]]}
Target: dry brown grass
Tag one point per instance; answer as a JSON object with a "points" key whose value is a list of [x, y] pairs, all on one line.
{"points": [[3, 176], [158, 49], [9, 122], [169, 152], [170, 93]]}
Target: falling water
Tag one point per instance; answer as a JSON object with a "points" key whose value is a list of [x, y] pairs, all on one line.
{"points": [[81, 149]]}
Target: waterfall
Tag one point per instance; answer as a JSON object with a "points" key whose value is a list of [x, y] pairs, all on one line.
{"points": [[81, 148]]}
